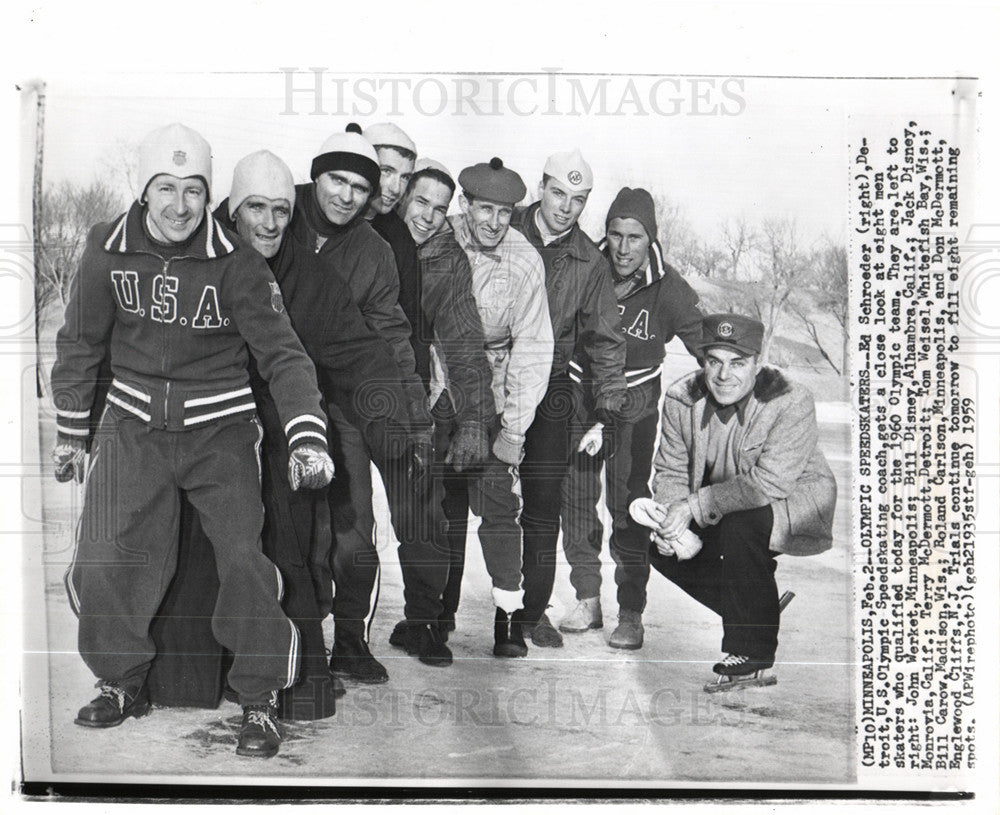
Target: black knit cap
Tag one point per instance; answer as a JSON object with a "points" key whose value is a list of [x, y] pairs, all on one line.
{"points": [[348, 151], [637, 204], [492, 182]]}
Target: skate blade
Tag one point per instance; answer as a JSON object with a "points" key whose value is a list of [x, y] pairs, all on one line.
{"points": [[724, 684]]}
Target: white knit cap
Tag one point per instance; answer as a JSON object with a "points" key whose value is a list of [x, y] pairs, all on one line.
{"points": [[347, 151], [174, 150], [570, 170], [386, 134], [431, 164], [261, 173]]}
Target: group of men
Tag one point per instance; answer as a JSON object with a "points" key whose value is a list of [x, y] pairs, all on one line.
{"points": [[264, 355]]}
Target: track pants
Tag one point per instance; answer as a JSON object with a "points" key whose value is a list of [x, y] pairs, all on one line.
{"points": [[127, 544], [355, 559], [627, 468], [733, 575], [546, 457], [492, 491]]}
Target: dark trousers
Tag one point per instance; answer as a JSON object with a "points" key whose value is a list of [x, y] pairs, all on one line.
{"points": [[630, 458], [733, 575], [126, 553], [546, 456], [492, 492], [355, 559]]}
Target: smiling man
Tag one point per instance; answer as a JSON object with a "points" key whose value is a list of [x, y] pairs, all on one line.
{"points": [[655, 304], [739, 465], [179, 300], [508, 281]]}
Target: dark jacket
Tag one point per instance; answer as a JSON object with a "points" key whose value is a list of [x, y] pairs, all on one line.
{"points": [[777, 455], [177, 330], [650, 316], [581, 305], [453, 322]]}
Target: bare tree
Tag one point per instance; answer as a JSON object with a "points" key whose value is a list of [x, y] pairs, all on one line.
{"points": [[68, 211], [738, 237], [120, 167], [674, 230], [781, 267], [828, 267]]}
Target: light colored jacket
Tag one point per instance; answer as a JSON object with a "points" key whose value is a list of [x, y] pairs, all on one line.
{"points": [[508, 283], [777, 457]]}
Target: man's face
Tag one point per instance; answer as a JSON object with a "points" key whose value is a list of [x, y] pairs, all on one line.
{"points": [[396, 171], [262, 221], [728, 374], [341, 195], [628, 245], [175, 206], [488, 221], [425, 208], [559, 206]]}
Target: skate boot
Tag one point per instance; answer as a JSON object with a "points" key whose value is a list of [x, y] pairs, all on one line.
{"points": [[259, 733], [423, 641], [508, 639], [739, 671], [117, 702], [585, 616], [543, 633], [629, 633], [351, 659]]}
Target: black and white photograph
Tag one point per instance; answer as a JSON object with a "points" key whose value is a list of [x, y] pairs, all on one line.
{"points": [[406, 417]]}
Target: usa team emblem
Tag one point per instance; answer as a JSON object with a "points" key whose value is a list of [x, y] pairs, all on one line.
{"points": [[180, 157], [276, 302], [725, 330], [575, 177]]}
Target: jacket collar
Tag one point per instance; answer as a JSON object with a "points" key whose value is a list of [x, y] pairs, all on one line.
{"points": [[127, 235], [573, 243], [464, 237], [655, 270]]}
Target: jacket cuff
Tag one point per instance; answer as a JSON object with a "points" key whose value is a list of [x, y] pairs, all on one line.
{"points": [[508, 448], [306, 429], [703, 507]]}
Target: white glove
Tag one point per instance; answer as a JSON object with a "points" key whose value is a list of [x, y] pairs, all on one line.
{"points": [[309, 466], [69, 459], [648, 513], [592, 441]]}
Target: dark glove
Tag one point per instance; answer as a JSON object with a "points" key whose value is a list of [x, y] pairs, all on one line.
{"points": [[469, 446], [70, 460], [418, 465]]}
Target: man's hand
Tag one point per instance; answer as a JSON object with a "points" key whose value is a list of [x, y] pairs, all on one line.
{"points": [[678, 519], [469, 446], [592, 441], [70, 460], [309, 466]]}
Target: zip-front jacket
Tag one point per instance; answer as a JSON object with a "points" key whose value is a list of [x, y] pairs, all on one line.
{"points": [[777, 458], [458, 355], [508, 282], [179, 327], [663, 306], [581, 305]]}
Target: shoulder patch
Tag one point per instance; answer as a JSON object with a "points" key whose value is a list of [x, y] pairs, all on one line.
{"points": [[276, 302]]}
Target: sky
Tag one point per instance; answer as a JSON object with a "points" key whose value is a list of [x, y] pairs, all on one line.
{"points": [[717, 146]]}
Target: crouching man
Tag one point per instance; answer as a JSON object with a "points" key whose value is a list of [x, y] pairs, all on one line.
{"points": [[738, 464], [181, 299]]}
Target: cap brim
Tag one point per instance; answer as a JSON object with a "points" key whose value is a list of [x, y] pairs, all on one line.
{"points": [[745, 350]]}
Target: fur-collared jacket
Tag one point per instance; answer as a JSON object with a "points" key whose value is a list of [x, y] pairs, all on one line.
{"points": [[777, 457]]}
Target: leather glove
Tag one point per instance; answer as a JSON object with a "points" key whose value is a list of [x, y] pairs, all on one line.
{"points": [[70, 460], [309, 466], [418, 465], [469, 446], [592, 441]]}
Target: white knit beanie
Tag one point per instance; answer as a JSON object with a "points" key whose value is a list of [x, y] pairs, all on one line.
{"points": [[174, 150], [347, 151], [261, 173], [386, 134]]}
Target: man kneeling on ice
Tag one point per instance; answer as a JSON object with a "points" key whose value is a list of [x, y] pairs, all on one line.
{"points": [[739, 467]]}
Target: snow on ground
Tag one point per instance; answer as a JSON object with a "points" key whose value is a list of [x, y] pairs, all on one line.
{"points": [[586, 713]]}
